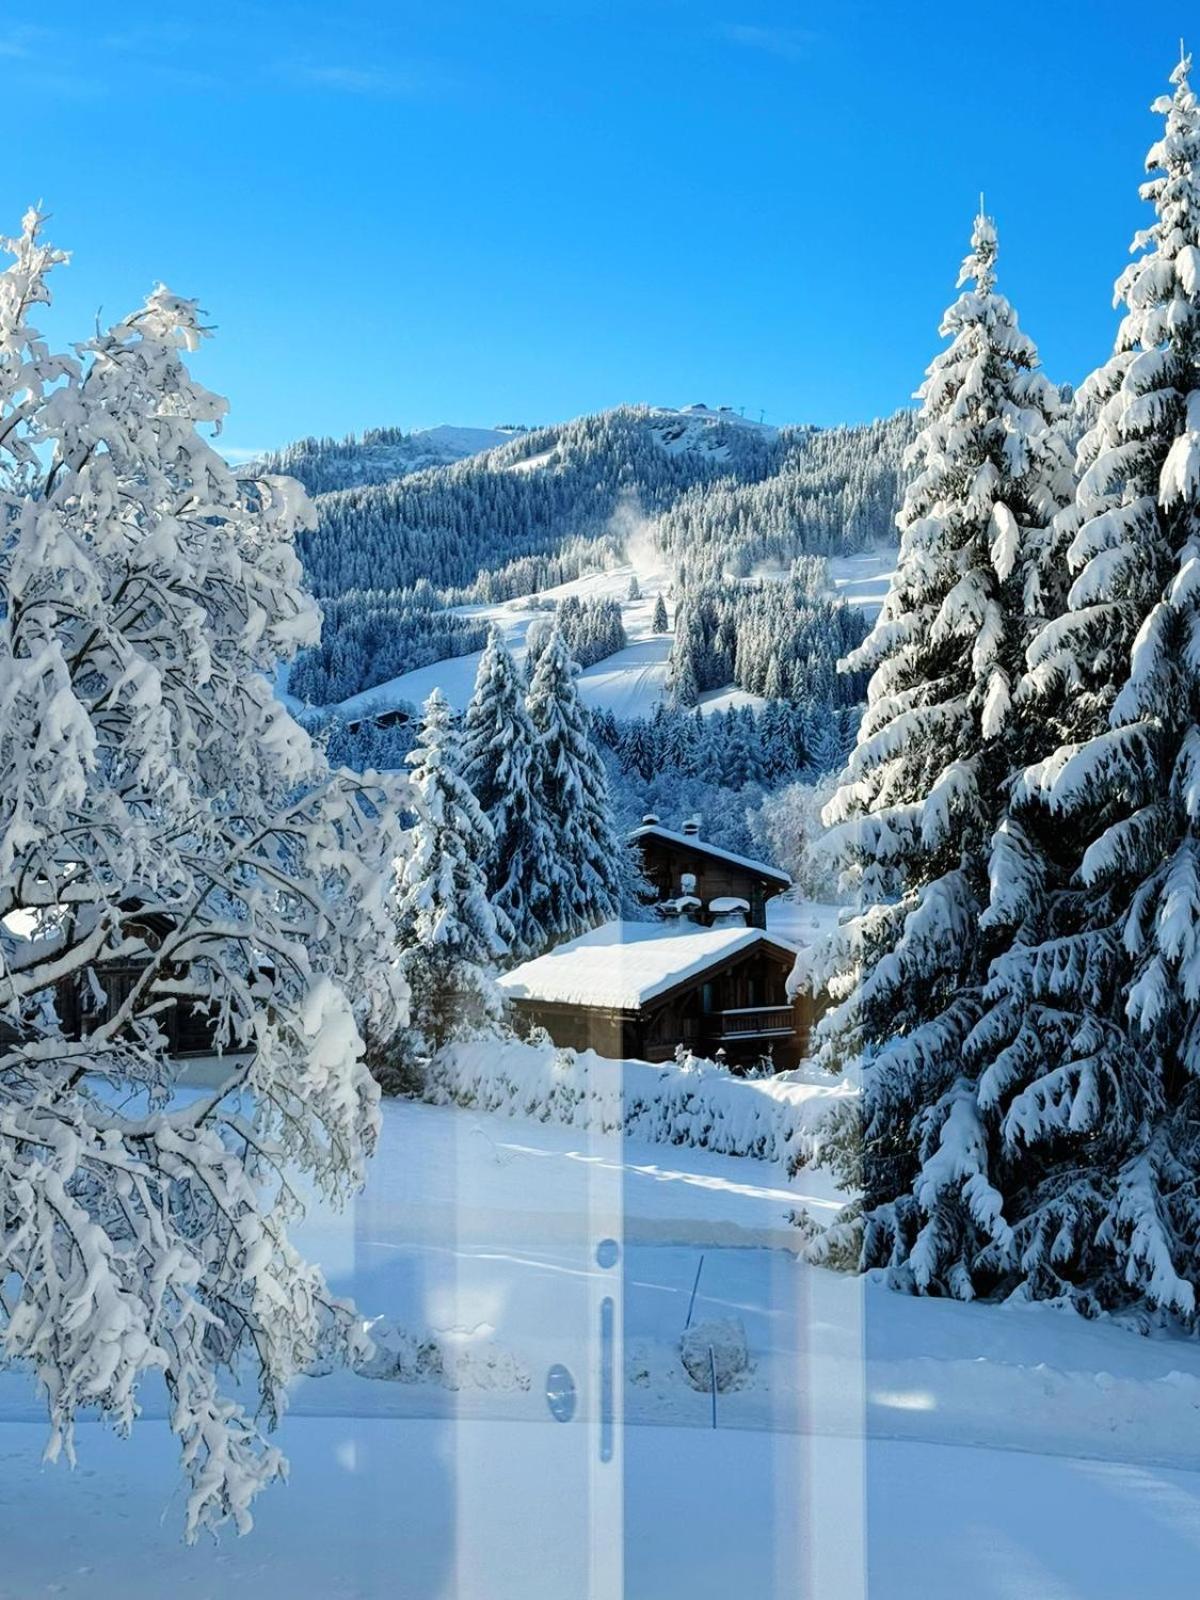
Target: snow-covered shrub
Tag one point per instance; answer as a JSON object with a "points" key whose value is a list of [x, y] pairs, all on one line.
{"points": [[715, 1350], [787, 827], [691, 1102], [449, 1361], [159, 808]]}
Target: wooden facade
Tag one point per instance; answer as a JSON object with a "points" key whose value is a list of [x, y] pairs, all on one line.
{"points": [[85, 1001], [738, 1006], [668, 858], [189, 1031]]}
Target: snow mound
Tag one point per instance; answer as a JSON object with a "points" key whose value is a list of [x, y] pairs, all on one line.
{"points": [[692, 1102], [451, 1360]]}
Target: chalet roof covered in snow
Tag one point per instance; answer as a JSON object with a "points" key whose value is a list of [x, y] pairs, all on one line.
{"points": [[691, 841], [620, 966]]}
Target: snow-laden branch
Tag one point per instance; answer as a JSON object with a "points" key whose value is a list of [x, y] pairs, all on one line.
{"points": [[160, 809]]}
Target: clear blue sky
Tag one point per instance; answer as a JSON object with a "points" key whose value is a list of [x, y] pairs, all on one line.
{"points": [[480, 212]]}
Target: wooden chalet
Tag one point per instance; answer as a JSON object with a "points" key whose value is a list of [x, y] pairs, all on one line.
{"points": [[705, 974], [683, 866], [637, 990], [87, 999]]}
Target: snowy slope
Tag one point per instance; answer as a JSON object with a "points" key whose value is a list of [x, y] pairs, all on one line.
{"points": [[630, 683], [862, 580], [473, 1510]]}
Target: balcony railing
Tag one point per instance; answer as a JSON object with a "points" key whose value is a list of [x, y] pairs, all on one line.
{"points": [[754, 1022]]}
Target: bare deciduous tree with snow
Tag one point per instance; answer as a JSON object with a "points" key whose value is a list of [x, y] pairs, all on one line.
{"points": [[159, 808]]}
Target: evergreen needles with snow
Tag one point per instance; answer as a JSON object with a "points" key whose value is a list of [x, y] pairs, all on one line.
{"points": [[584, 867], [160, 810], [1087, 1103], [924, 791], [499, 766], [450, 934]]}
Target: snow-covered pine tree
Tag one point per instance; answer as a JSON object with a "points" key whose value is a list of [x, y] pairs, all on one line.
{"points": [[685, 692], [159, 808], [1088, 1102], [659, 622], [584, 883], [450, 934], [924, 790], [499, 766], [634, 591]]}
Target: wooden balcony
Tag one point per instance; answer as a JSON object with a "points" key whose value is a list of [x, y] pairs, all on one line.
{"points": [[753, 1022]]}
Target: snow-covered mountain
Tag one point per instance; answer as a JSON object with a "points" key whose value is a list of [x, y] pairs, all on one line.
{"points": [[551, 503], [380, 454], [699, 495]]}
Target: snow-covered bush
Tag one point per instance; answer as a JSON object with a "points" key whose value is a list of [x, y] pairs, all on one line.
{"points": [[689, 1102], [787, 827], [452, 1361], [715, 1351], [159, 808]]}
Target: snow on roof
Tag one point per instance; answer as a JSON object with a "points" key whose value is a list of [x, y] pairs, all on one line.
{"points": [[691, 841], [622, 965]]}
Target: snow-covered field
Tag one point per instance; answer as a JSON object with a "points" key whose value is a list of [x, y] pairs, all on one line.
{"points": [[879, 1446]]}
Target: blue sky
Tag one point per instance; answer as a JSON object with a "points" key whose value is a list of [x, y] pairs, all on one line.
{"points": [[481, 213]]}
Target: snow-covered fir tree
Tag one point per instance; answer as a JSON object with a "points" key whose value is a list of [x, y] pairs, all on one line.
{"points": [[584, 883], [634, 591], [924, 790], [450, 934], [500, 768], [1084, 1120], [659, 621], [159, 808]]}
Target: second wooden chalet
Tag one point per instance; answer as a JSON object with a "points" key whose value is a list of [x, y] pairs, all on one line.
{"points": [[695, 879]]}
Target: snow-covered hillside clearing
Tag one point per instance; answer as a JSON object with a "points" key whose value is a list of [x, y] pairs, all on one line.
{"points": [[629, 683], [862, 580], [937, 1447], [633, 681]]}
